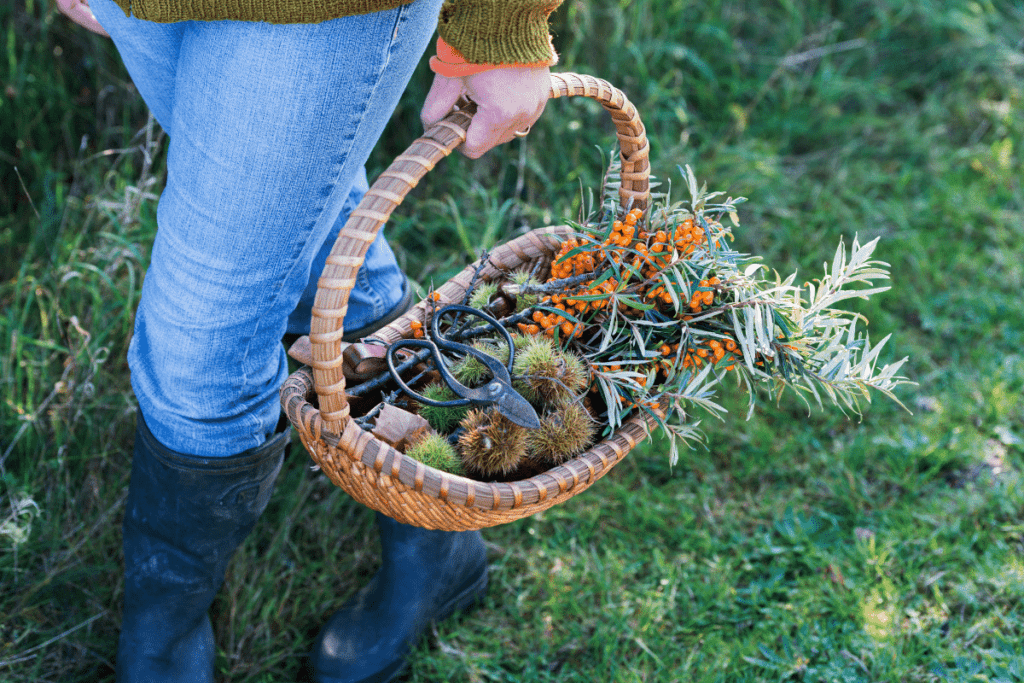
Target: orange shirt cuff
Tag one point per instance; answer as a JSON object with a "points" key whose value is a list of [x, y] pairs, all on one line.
{"points": [[449, 62]]}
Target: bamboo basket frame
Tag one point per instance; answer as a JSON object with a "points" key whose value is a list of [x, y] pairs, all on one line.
{"points": [[370, 470]]}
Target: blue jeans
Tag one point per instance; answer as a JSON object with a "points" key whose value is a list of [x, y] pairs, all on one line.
{"points": [[270, 127]]}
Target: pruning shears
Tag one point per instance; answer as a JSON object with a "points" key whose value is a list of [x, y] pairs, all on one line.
{"points": [[497, 392]]}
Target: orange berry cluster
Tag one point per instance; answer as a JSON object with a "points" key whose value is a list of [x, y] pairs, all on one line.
{"points": [[622, 400], [697, 301], [549, 322], [567, 301], [685, 238], [584, 261], [622, 236], [647, 255], [712, 352], [706, 297], [563, 266]]}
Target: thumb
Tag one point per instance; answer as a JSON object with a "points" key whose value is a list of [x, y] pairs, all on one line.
{"points": [[443, 95], [485, 132]]}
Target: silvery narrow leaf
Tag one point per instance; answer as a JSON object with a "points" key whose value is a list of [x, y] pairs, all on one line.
{"points": [[691, 183]]}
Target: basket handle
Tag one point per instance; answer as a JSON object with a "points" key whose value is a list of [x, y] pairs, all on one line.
{"points": [[389, 190]]}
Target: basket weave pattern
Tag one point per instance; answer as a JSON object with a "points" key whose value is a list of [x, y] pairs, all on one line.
{"points": [[371, 471]]}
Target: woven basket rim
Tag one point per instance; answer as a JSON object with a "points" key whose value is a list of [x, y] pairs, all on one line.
{"points": [[385, 460]]}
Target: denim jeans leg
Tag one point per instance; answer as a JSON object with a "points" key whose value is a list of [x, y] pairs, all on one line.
{"points": [[379, 285], [272, 125], [149, 52]]}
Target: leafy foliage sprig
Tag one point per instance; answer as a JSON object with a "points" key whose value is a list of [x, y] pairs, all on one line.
{"points": [[669, 308]]}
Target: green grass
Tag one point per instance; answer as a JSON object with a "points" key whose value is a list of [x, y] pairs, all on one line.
{"points": [[794, 547]]}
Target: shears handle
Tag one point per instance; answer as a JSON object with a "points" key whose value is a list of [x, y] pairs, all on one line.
{"points": [[501, 374], [447, 344], [497, 392], [438, 361], [484, 396]]}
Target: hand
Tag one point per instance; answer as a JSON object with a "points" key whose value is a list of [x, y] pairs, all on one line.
{"points": [[78, 11], [509, 99]]}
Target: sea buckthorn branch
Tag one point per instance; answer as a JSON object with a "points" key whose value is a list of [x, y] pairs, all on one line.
{"points": [[548, 287], [474, 281], [672, 266]]}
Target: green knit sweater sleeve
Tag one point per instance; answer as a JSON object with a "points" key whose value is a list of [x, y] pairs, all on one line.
{"points": [[498, 31], [483, 31]]}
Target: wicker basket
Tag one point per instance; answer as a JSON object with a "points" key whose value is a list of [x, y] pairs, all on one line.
{"points": [[370, 470]]}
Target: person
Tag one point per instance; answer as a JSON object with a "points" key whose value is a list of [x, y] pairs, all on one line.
{"points": [[272, 108]]}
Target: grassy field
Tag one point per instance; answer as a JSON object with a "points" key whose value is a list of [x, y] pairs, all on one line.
{"points": [[793, 547]]}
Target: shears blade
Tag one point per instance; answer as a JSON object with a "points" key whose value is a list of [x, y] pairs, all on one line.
{"points": [[517, 409]]}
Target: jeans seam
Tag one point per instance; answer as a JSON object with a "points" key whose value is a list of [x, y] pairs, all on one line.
{"points": [[255, 423]]}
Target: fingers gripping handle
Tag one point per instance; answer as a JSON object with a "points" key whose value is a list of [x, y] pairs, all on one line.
{"points": [[397, 181]]}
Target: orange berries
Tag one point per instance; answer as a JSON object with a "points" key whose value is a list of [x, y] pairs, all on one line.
{"points": [[640, 254], [582, 262]]}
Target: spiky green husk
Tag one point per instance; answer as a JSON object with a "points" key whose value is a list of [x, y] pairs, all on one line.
{"points": [[471, 371], [524, 301], [550, 375], [482, 294], [491, 445], [435, 451], [564, 433], [441, 419]]}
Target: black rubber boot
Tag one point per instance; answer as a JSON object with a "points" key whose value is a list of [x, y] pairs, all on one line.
{"points": [[184, 518], [424, 576]]}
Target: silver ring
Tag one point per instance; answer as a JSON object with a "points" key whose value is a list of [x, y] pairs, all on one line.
{"points": [[523, 133]]}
